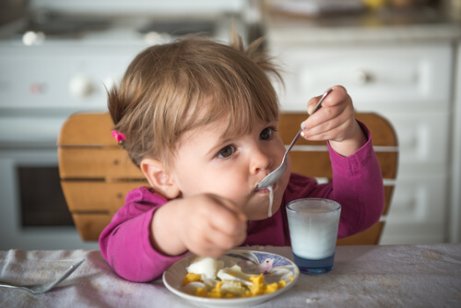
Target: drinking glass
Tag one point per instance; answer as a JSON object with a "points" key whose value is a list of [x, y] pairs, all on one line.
{"points": [[313, 224]]}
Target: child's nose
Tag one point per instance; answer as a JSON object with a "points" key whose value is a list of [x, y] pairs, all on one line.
{"points": [[260, 161]]}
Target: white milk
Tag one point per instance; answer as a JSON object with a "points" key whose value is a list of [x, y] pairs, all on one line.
{"points": [[271, 201], [313, 229]]}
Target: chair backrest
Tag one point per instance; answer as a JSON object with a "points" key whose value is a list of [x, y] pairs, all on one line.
{"points": [[96, 172]]}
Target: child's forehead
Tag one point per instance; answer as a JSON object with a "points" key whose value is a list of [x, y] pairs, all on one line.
{"points": [[227, 127], [230, 116]]}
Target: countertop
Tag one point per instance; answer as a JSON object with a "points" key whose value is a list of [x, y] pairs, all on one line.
{"points": [[370, 27]]}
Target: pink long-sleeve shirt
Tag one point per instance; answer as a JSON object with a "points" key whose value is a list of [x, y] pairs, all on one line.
{"points": [[357, 185]]}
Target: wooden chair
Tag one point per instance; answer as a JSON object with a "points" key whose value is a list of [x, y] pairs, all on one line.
{"points": [[96, 172]]}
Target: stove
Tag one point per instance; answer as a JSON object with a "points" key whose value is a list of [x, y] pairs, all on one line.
{"points": [[55, 64]]}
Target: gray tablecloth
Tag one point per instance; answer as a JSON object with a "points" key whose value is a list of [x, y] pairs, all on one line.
{"points": [[363, 276]]}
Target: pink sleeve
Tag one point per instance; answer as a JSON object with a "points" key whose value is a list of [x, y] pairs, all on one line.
{"points": [[357, 185], [125, 242]]}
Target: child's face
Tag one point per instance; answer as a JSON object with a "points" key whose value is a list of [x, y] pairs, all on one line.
{"points": [[208, 162]]}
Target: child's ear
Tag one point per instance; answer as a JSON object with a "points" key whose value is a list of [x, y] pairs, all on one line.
{"points": [[159, 178]]}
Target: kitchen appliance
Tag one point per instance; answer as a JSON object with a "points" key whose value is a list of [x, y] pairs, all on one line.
{"points": [[52, 64]]}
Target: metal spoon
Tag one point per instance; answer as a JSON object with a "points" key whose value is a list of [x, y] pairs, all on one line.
{"points": [[44, 287], [272, 177]]}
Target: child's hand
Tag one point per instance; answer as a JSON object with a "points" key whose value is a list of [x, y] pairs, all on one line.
{"points": [[335, 122], [205, 224]]}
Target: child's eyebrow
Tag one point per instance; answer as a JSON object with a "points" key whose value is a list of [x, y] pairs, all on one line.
{"points": [[218, 145]]}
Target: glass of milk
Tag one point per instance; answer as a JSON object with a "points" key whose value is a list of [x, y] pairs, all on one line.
{"points": [[313, 224]]}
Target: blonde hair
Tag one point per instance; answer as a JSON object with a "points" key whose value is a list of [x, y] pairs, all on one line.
{"points": [[170, 89]]}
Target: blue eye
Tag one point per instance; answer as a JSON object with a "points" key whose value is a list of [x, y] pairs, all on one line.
{"points": [[227, 151], [267, 133]]}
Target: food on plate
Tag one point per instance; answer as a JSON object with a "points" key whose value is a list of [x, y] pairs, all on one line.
{"points": [[206, 266], [209, 277]]}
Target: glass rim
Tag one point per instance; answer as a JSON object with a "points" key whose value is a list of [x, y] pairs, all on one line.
{"points": [[336, 204]]}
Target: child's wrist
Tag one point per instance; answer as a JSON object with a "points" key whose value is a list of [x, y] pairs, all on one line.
{"points": [[163, 228], [351, 144]]}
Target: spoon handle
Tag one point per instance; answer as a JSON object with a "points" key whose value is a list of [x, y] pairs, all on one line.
{"points": [[293, 141], [316, 107], [319, 103]]}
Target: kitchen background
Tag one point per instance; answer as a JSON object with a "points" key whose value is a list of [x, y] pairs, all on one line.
{"points": [[399, 58]]}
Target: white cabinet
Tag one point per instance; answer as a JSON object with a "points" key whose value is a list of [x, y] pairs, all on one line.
{"points": [[385, 77], [410, 84]]}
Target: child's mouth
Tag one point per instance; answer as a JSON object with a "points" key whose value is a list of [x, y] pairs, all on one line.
{"points": [[266, 193], [264, 190]]}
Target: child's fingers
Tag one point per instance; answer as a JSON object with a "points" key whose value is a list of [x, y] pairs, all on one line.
{"points": [[233, 207], [223, 215], [224, 241], [332, 119], [215, 237], [216, 243], [334, 106], [337, 96], [335, 132], [205, 248], [211, 225], [321, 119], [229, 223], [206, 240]]}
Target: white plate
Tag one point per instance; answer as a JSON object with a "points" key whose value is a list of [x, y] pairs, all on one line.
{"points": [[274, 264]]}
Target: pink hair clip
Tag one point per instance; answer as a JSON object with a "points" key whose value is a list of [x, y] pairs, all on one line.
{"points": [[118, 136]]}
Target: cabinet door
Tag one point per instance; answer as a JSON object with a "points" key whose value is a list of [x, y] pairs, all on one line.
{"points": [[377, 77], [419, 205], [423, 140], [418, 210]]}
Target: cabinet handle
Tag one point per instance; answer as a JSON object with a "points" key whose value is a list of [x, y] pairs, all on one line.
{"points": [[363, 77]]}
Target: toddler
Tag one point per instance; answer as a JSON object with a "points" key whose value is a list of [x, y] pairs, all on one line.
{"points": [[199, 118]]}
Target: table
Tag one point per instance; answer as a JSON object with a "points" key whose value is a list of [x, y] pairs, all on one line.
{"points": [[363, 276]]}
